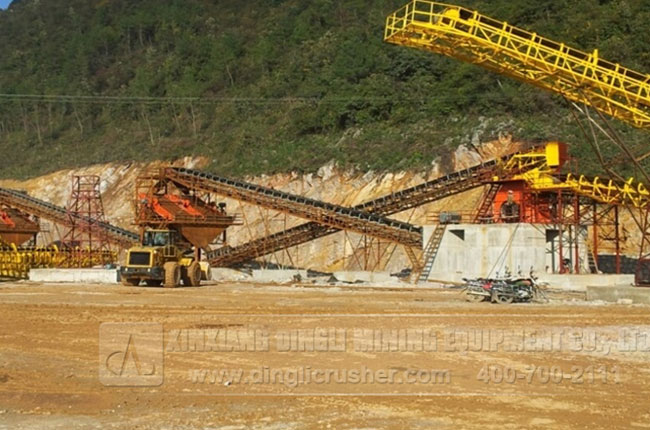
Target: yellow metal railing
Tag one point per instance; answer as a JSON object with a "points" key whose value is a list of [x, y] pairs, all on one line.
{"points": [[498, 46], [545, 159], [15, 262], [628, 193]]}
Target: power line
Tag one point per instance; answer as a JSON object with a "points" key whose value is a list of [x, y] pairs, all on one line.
{"points": [[103, 99]]}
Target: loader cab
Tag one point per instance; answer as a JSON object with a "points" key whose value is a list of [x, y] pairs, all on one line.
{"points": [[157, 238]]}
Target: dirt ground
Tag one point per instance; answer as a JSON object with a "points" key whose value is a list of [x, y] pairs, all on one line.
{"points": [[471, 365]]}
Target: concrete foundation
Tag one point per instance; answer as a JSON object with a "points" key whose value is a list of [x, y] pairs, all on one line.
{"points": [[362, 276], [88, 276], [619, 294], [475, 250], [291, 276], [582, 282], [278, 276], [262, 276], [226, 274]]}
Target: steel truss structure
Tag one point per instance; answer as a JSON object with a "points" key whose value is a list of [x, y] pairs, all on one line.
{"points": [[500, 47], [59, 215], [15, 261], [581, 77], [537, 157], [85, 237]]}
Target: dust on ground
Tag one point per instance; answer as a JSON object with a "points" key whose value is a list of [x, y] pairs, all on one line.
{"points": [[51, 360]]}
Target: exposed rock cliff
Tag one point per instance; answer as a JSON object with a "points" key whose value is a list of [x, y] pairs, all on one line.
{"points": [[329, 183]]}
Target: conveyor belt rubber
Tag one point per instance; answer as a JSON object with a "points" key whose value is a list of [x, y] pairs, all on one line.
{"points": [[323, 213], [418, 195], [49, 211]]}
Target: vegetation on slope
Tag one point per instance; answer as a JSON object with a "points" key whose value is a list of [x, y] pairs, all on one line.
{"points": [[263, 86]]}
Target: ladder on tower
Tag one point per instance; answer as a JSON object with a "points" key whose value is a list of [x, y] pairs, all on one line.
{"points": [[485, 213], [451, 184], [592, 262], [430, 253]]}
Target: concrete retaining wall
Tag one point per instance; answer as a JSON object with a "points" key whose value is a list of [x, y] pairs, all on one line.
{"points": [[279, 276], [471, 250], [619, 294], [226, 274], [582, 282], [363, 276], [88, 276], [288, 276], [275, 276]]}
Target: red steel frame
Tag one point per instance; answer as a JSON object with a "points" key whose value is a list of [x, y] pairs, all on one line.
{"points": [[85, 211], [563, 208]]}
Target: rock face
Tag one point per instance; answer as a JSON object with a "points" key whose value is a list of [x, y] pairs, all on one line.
{"points": [[340, 251], [117, 187]]}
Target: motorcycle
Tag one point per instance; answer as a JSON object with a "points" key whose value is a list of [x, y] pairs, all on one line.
{"points": [[504, 290]]}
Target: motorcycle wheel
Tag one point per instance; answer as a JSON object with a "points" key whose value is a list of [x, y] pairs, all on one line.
{"points": [[474, 298], [505, 300]]}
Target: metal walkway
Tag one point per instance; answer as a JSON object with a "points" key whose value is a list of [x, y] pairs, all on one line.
{"points": [[500, 47], [323, 213], [59, 215], [430, 254], [399, 201]]}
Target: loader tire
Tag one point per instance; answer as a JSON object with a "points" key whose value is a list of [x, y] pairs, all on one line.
{"points": [[172, 274], [206, 275], [194, 274]]}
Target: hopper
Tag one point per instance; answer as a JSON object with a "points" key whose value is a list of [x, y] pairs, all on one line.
{"points": [[16, 227], [198, 222]]}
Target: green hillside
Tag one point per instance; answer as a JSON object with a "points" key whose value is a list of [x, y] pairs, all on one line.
{"points": [[275, 85]]}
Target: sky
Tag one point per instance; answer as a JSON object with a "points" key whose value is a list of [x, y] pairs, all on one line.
{"points": [[4, 3]]}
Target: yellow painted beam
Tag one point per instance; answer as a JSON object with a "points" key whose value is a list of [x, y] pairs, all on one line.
{"points": [[498, 46]]}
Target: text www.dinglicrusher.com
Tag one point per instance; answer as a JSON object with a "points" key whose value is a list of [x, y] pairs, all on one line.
{"points": [[293, 377]]}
